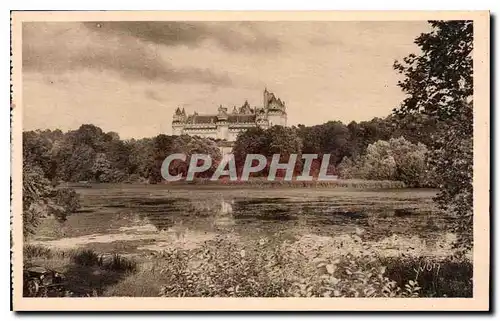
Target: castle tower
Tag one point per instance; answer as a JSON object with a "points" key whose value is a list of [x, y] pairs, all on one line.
{"points": [[275, 109], [222, 123], [261, 118], [266, 98], [178, 121]]}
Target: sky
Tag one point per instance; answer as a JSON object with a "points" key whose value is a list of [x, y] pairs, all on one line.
{"points": [[129, 77]]}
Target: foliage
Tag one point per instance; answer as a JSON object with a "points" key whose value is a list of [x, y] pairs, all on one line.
{"points": [[37, 150], [439, 85], [161, 147], [90, 154], [396, 159], [411, 162], [40, 199], [379, 162], [329, 138], [184, 144], [449, 277], [224, 268], [354, 277], [439, 80], [275, 140], [101, 169], [86, 273], [68, 201], [190, 145], [36, 198], [260, 268]]}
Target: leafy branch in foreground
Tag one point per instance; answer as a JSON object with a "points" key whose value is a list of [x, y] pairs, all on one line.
{"points": [[439, 85], [40, 199]]}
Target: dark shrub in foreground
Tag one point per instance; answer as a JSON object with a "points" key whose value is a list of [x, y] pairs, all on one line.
{"points": [[444, 278]]}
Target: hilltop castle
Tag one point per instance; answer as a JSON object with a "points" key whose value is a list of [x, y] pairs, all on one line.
{"points": [[226, 125]]}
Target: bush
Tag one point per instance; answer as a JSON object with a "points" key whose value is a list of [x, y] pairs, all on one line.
{"points": [[31, 251], [86, 257], [223, 268], [260, 268], [396, 159], [449, 277], [37, 203], [40, 199], [351, 276], [119, 263], [68, 199]]}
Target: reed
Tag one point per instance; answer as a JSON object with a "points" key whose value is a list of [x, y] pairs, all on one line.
{"points": [[264, 183]]}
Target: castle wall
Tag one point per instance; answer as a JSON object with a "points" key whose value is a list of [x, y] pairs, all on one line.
{"points": [[276, 120], [207, 133], [232, 135], [223, 132], [177, 130]]}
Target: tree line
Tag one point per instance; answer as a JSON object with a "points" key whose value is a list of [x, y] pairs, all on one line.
{"points": [[93, 155]]}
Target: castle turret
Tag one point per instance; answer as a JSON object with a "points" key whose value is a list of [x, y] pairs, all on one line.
{"points": [[222, 113], [222, 123], [178, 121], [245, 109], [275, 109], [266, 98], [261, 118]]}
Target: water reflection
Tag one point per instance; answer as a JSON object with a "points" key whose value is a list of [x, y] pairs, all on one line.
{"points": [[192, 216], [261, 215], [224, 216]]}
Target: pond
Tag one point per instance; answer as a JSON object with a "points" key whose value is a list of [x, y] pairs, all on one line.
{"points": [[135, 219]]}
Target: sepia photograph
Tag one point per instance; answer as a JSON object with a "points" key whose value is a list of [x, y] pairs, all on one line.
{"points": [[328, 161]]}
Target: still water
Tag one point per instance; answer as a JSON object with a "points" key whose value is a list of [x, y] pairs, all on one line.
{"points": [[134, 219]]}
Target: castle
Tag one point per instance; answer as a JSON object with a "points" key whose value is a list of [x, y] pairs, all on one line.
{"points": [[226, 125]]}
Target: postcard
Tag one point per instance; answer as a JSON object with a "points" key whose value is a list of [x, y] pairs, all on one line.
{"points": [[250, 161]]}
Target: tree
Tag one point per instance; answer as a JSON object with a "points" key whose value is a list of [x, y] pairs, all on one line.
{"points": [[275, 140], [101, 169], [141, 157], [411, 165], [118, 155], [282, 140], [439, 85], [329, 138], [40, 199], [379, 162], [251, 141], [162, 147], [37, 150], [190, 145], [36, 189], [396, 159]]}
